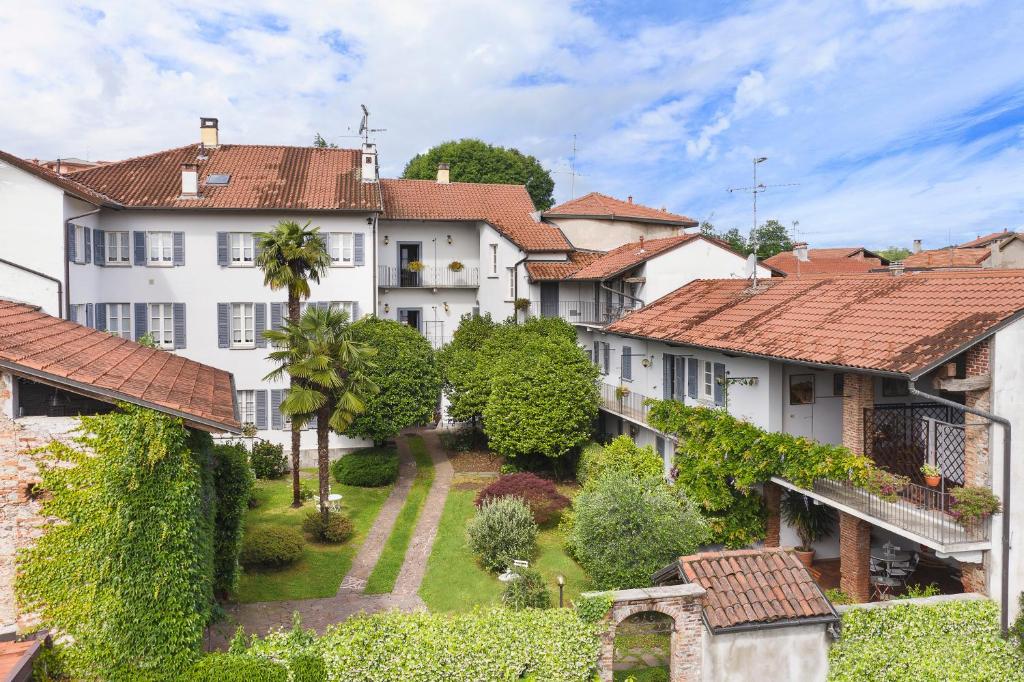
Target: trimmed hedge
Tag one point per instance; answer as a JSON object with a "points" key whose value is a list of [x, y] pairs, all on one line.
{"points": [[528, 591], [219, 667], [369, 468], [539, 493], [271, 547], [268, 460], [338, 527], [955, 641]]}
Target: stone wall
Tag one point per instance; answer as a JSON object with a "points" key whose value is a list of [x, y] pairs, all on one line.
{"points": [[977, 449]]}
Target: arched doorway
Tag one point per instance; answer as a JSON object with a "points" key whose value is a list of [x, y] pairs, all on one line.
{"points": [[643, 647]]}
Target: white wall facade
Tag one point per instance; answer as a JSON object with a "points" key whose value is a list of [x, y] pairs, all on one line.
{"points": [[604, 235], [798, 652]]}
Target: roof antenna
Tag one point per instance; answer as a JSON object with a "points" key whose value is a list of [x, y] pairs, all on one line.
{"points": [[364, 126], [754, 190], [571, 172]]}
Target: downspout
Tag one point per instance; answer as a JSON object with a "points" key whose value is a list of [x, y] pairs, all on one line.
{"points": [[375, 294], [60, 289], [67, 263], [515, 284], [1004, 589]]}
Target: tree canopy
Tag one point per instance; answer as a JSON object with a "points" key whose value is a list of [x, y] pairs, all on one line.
{"points": [[472, 160], [771, 237], [894, 253]]}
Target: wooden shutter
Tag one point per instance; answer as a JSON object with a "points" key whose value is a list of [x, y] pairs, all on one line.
{"points": [[139, 243], [666, 376], [89, 321], [607, 352], [141, 320], [358, 248], [719, 380], [259, 318], [276, 315], [179, 325], [626, 363], [597, 354], [88, 245], [680, 382], [222, 248], [101, 317], [72, 247], [178, 250], [276, 420], [692, 370], [100, 247], [261, 409], [223, 325]]}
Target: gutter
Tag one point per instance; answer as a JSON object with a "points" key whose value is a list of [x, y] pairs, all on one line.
{"points": [[60, 285], [515, 281], [1004, 588], [67, 263]]}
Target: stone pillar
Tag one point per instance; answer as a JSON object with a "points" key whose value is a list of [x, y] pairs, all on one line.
{"points": [[855, 557], [858, 395], [773, 524], [977, 449]]}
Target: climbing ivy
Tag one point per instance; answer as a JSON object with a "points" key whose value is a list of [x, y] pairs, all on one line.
{"points": [[234, 481], [126, 569]]}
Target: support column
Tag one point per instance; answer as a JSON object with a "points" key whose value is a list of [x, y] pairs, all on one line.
{"points": [[977, 462], [773, 524], [855, 557], [858, 395]]}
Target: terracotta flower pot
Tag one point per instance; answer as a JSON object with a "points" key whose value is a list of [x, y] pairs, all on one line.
{"points": [[806, 558], [933, 481]]}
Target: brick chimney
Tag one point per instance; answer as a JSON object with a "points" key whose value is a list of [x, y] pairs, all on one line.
{"points": [[442, 173], [208, 133], [629, 199], [189, 180]]}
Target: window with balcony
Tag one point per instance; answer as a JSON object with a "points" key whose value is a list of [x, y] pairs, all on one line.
{"points": [[161, 324], [243, 251], [160, 248], [243, 327], [339, 246], [117, 247]]}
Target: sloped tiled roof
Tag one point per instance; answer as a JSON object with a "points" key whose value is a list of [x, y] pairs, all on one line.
{"points": [[109, 367], [507, 208], [987, 239], [629, 255], [755, 586], [947, 258], [901, 324], [261, 177], [553, 271], [823, 261], [603, 207], [67, 184]]}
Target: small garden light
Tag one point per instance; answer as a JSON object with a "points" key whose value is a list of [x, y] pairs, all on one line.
{"points": [[561, 590]]}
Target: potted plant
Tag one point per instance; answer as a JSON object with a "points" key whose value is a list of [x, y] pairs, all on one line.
{"points": [[521, 303], [811, 521], [621, 392], [455, 266], [415, 266], [932, 475], [886, 485], [973, 503]]}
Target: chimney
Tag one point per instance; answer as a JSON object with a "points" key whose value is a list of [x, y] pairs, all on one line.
{"points": [[896, 268], [629, 199], [442, 173], [641, 243], [370, 171], [917, 246], [208, 132], [189, 180], [800, 250]]}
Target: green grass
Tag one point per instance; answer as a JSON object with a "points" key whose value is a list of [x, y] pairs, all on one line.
{"points": [[454, 581], [656, 674], [322, 566], [382, 579]]}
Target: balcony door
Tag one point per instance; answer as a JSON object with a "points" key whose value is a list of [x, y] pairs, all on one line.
{"points": [[409, 252], [412, 317], [549, 299]]}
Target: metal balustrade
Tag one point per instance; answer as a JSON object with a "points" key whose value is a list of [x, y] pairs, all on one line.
{"points": [[582, 312], [429, 277], [629, 405]]}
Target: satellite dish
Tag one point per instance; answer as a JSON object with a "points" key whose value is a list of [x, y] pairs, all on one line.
{"points": [[750, 269]]}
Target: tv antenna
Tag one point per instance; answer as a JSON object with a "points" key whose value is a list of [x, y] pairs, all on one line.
{"points": [[364, 126], [754, 190], [572, 172]]}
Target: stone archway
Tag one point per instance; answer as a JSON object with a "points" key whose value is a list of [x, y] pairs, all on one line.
{"points": [[682, 603]]}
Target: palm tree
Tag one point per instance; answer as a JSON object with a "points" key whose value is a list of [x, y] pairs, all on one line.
{"points": [[330, 377], [292, 255]]}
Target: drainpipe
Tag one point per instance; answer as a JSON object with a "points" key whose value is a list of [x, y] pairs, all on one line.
{"points": [[67, 263], [1004, 590], [515, 283], [60, 286]]}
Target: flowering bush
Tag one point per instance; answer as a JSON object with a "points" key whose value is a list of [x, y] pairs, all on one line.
{"points": [[886, 485], [973, 503], [539, 493], [502, 530]]}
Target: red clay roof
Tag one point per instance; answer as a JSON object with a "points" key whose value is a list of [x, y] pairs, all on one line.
{"points": [[817, 265], [553, 271], [262, 177], [751, 586], [901, 324], [604, 207], [629, 255], [16, 659], [108, 367], [70, 186], [947, 258], [507, 208], [987, 239]]}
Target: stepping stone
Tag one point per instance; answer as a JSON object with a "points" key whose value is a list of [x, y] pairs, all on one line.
{"points": [[353, 583]]}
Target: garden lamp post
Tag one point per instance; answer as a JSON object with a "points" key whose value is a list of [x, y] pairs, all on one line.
{"points": [[561, 589]]}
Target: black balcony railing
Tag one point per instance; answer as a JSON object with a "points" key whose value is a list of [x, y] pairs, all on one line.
{"points": [[430, 276], [582, 312], [901, 438]]}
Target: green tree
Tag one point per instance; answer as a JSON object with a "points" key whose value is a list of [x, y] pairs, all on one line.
{"points": [[476, 161], [321, 143], [457, 362], [291, 256], [894, 253], [405, 372], [771, 238], [331, 378]]}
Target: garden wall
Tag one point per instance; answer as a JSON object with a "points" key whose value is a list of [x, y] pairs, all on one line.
{"points": [[779, 654]]}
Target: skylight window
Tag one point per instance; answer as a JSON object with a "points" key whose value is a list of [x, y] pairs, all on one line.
{"points": [[218, 179]]}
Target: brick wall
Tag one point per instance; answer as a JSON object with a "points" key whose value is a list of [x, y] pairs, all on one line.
{"points": [[854, 557], [858, 394], [977, 460], [773, 524]]}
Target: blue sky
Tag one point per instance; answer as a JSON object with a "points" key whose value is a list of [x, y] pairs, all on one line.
{"points": [[894, 119]]}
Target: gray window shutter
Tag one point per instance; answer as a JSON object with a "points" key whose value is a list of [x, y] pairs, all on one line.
{"points": [[259, 315], [276, 420], [276, 315], [100, 247], [223, 331], [691, 377], [607, 351], [355, 310], [89, 320], [358, 248], [626, 363], [141, 320], [179, 325], [88, 245], [178, 243], [72, 256], [101, 317], [659, 445], [719, 374], [139, 242], [222, 248], [666, 376], [261, 410], [597, 353], [680, 379]]}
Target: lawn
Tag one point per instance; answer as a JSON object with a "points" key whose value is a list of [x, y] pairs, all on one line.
{"points": [[322, 566], [454, 581], [382, 580]]}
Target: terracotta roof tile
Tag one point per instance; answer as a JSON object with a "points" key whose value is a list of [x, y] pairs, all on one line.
{"points": [[603, 207], [508, 208], [874, 321], [629, 255], [838, 260], [63, 351], [987, 239], [64, 182], [261, 177], [947, 258], [553, 271]]}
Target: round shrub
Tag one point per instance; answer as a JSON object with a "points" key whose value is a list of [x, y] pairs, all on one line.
{"points": [[528, 591], [267, 459], [217, 667], [337, 528], [502, 530], [367, 468], [541, 494], [271, 547], [622, 454]]}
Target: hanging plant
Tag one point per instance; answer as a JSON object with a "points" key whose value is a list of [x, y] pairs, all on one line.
{"points": [[415, 265], [521, 303], [621, 392], [455, 266]]}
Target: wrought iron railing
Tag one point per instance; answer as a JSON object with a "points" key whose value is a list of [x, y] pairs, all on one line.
{"points": [[901, 438], [430, 276], [582, 312]]}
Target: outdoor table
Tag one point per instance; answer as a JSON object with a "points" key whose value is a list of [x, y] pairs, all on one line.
{"points": [[334, 501], [890, 556]]}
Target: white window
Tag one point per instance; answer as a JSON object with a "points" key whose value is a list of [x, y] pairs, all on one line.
{"points": [[117, 249], [160, 247], [119, 319], [709, 380], [494, 259], [247, 406], [511, 283], [161, 324], [78, 313], [242, 250], [242, 326], [339, 245], [80, 246]]}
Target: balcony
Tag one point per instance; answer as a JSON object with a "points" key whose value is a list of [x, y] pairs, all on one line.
{"points": [[583, 312], [429, 277]]}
